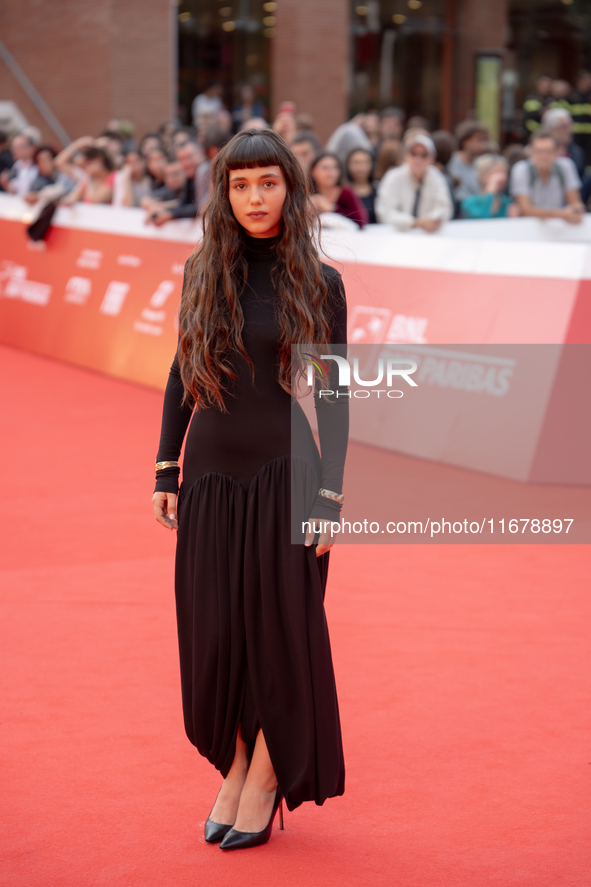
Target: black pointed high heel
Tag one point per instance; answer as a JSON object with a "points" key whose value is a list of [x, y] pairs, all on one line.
{"points": [[234, 840], [215, 831]]}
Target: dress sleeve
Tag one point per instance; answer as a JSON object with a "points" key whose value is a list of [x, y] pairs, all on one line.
{"points": [[333, 413], [175, 421]]}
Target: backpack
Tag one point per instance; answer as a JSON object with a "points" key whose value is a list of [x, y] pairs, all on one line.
{"points": [[556, 168]]}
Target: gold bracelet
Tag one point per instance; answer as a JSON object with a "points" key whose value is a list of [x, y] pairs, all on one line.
{"points": [[160, 465]]}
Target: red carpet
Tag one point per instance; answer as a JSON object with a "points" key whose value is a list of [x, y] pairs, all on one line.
{"points": [[463, 674]]}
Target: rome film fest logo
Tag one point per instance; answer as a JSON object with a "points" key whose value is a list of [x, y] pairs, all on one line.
{"points": [[391, 370]]}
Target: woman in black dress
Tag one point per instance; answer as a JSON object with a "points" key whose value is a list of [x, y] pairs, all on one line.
{"points": [[257, 681]]}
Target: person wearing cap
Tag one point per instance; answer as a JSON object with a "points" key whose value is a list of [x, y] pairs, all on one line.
{"points": [[415, 194]]}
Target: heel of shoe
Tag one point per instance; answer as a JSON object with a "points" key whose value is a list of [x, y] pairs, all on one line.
{"points": [[236, 839], [281, 826]]}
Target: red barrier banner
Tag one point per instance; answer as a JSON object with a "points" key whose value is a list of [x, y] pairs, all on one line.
{"points": [[103, 291], [101, 301]]}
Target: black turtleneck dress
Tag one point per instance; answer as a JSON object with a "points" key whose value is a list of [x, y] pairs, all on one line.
{"points": [[253, 639]]}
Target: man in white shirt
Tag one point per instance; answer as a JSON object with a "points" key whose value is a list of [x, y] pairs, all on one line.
{"points": [[547, 186], [20, 177], [207, 103], [415, 194]]}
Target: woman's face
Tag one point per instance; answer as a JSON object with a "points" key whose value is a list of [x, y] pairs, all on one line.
{"points": [[150, 144], [326, 173], [360, 166], [95, 168], [497, 175], [156, 162], [136, 163], [257, 197]]}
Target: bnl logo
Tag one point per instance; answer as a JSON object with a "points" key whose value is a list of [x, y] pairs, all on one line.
{"points": [[389, 370]]}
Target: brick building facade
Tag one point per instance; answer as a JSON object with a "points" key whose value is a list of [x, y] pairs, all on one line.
{"points": [[311, 60], [145, 60], [90, 61]]}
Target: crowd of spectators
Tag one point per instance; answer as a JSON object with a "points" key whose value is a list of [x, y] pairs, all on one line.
{"points": [[376, 167]]}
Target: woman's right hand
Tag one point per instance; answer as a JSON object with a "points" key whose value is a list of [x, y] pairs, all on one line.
{"points": [[165, 510]]}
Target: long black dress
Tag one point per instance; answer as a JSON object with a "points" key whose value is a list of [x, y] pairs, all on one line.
{"points": [[253, 639]]}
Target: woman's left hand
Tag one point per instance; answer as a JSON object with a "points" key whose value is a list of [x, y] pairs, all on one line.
{"points": [[325, 540]]}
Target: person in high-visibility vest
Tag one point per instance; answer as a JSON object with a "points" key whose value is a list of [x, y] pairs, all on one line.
{"points": [[536, 103], [580, 110]]}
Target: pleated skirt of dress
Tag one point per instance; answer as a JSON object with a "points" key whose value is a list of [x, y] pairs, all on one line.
{"points": [[253, 638]]}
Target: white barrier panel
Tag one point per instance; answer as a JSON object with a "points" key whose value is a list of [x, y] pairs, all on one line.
{"points": [[103, 291]]}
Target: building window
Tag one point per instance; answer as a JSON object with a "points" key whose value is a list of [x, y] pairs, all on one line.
{"points": [[550, 37], [397, 56], [228, 41]]}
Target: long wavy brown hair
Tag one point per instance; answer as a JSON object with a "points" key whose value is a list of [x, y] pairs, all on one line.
{"points": [[211, 318]]}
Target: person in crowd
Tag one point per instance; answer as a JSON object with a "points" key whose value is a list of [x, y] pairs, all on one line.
{"points": [[246, 107], [214, 141], [305, 125], [418, 122], [415, 194], [513, 154], [113, 143], [44, 160], [23, 172], [285, 125], [559, 122], [168, 194], [33, 133], [346, 137], [71, 161], [370, 124], [306, 148], [207, 103], [190, 156], [445, 145], [125, 130], [165, 133], [560, 91], [6, 159], [546, 185], [150, 142], [492, 202], [330, 195], [50, 184], [132, 182], [182, 135], [580, 108], [473, 140], [392, 124], [222, 120], [156, 160], [536, 103], [359, 171], [389, 155], [99, 174], [256, 123]]}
